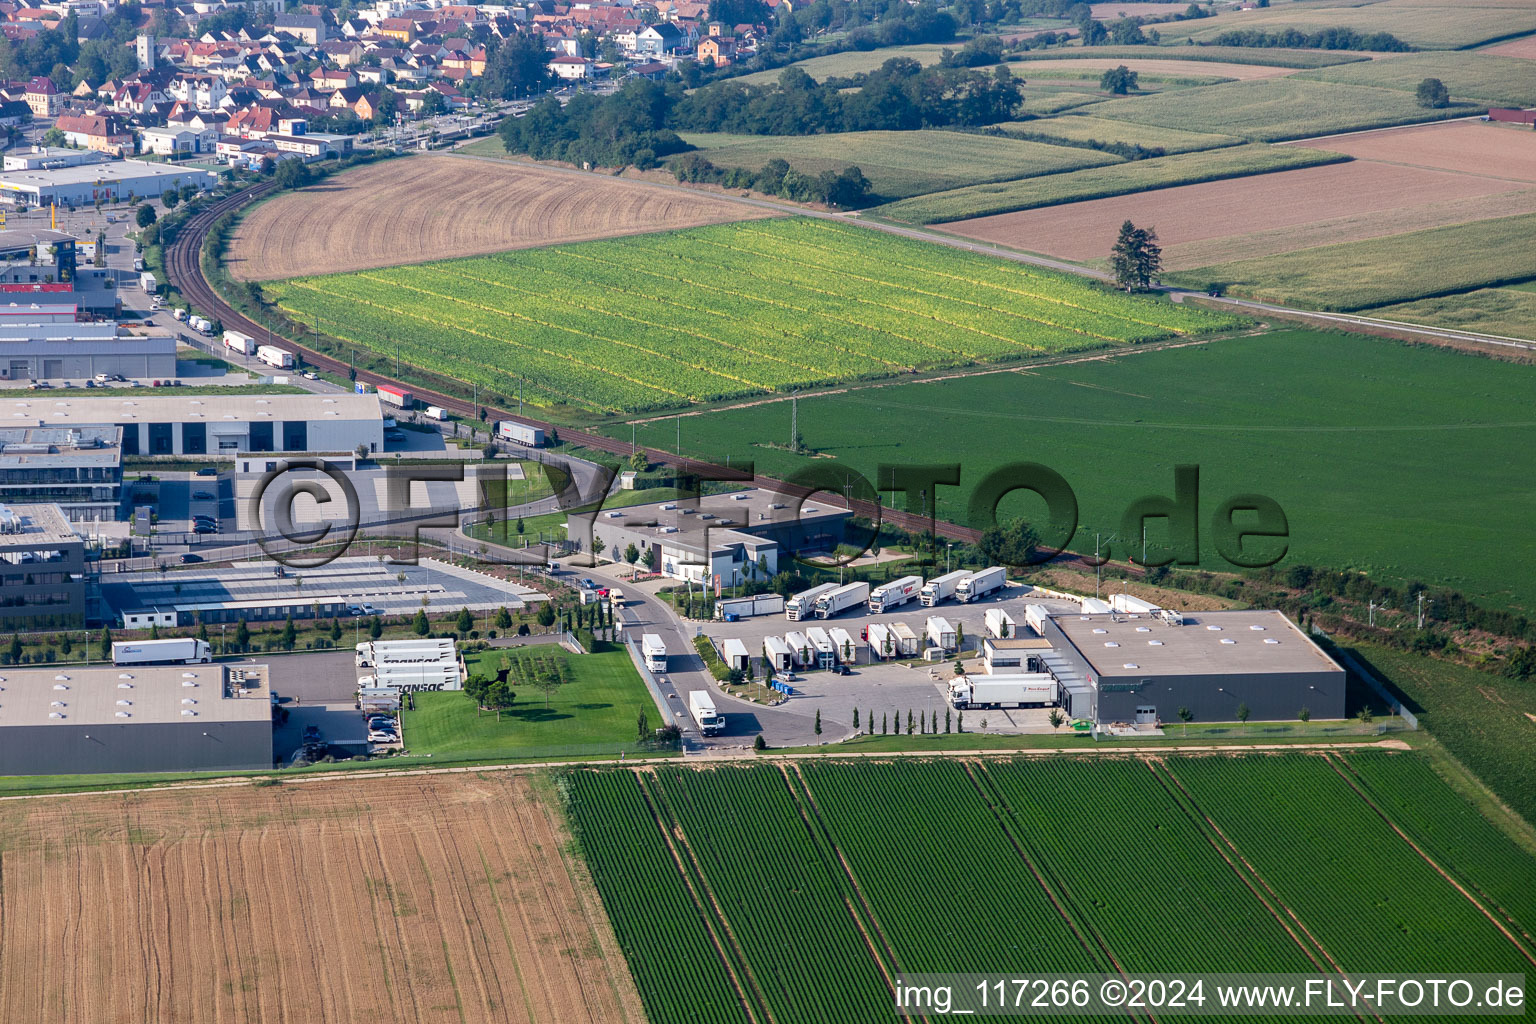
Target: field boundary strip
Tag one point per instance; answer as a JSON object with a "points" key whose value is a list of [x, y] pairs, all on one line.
{"points": [[857, 902], [754, 1002], [1354, 784], [1193, 808]]}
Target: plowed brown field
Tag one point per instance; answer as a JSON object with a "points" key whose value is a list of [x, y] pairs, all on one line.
{"points": [[1258, 215], [435, 207], [445, 898], [1523, 47], [1473, 147]]}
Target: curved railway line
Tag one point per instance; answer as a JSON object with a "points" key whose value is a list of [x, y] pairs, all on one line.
{"points": [[183, 266]]}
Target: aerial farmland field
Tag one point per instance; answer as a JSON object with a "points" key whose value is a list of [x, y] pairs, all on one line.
{"points": [[423, 900], [662, 320], [1428, 24], [1502, 81], [1370, 447], [1231, 874], [1085, 127]]}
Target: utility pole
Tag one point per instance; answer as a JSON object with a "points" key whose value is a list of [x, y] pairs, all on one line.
{"points": [[1372, 613], [794, 419], [679, 437], [1421, 611]]}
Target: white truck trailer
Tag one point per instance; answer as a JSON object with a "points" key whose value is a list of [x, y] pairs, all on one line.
{"points": [[654, 649], [1035, 616], [702, 707], [803, 604], [894, 594], [800, 647], [415, 678], [1000, 624], [980, 584], [821, 643], [519, 433], [839, 600], [942, 588], [370, 652], [778, 654], [274, 356], [844, 645], [186, 651], [735, 653], [1034, 689], [1131, 605], [940, 633], [882, 644], [147, 282], [742, 607], [1093, 606], [237, 341], [906, 640]]}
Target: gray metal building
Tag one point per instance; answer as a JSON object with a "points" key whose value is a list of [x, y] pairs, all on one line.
{"points": [[1141, 668], [79, 351], [42, 569], [176, 718], [80, 469]]}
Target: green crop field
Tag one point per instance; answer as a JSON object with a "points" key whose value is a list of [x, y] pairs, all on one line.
{"points": [[661, 320], [1508, 312], [1482, 718], [1382, 271], [1404, 462], [1500, 81], [1085, 128], [1099, 182], [1274, 109], [797, 892], [597, 704], [901, 164], [1428, 24], [1278, 58], [852, 62]]}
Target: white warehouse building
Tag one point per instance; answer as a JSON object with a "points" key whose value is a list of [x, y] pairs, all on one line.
{"points": [[109, 182], [212, 424]]}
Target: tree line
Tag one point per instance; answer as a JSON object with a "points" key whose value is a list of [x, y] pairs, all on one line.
{"points": [[1326, 39]]}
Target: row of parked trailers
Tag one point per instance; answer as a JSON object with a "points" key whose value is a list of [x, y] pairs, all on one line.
{"points": [[829, 600]]}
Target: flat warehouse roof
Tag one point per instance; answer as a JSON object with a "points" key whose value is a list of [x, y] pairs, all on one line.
{"points": [[87, 174], [127, 694], [166, 409], [38, 524], [1207, 643]]}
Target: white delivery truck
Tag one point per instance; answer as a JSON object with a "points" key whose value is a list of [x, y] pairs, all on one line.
{"points": [[800, 647], [436, 412], [1035, 616], [980, 584], [187, 651], [178, 313], [274, 356], [940, 633], [942, 588], [148, 282], [840, 599], [198, 324], [237, 341], [882, 644], [1034, 689], [372, 652], [1000, 624], [778, 654], [894, 594], [803, 604], [735, 653], [702, 707], [520, 433], [843, 645], [906, 640], [654, 649], [821, 643]]}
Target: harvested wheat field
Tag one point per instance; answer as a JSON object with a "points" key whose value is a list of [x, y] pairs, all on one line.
{"points": [[435, 207], [429, 898], [1473, 147], [1153, 67], [1366, 192], [1522, 47]]}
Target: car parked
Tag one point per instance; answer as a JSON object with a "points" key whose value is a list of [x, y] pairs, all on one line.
{"points": [[189, 558], [202, 496], [208, 471]]}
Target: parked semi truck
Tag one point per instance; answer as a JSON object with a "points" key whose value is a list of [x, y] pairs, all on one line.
{"points": [[940, 633], [906, 640], [942, 588], [881, 643], [803, 604], [274, 356], [894, 594], [1000, 624], [702, 707], [397, 397], [840, 599], [777, 654], [520, 433], [980, 584], [371, 652], [1035, 689], [654, 649], [147, 282], [236, 341], [186, 651]]}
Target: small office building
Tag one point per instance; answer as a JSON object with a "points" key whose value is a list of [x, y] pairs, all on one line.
{"points": [[79, 469], [42, 571]]}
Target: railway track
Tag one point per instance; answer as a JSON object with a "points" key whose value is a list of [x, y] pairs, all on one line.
{"points": [[183, 265]]}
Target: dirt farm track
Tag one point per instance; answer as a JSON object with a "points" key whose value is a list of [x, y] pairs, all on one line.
{"points": [[436, 898], [435, 207]]}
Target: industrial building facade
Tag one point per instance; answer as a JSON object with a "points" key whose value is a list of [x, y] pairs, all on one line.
{"points": [[214, 424], [176, 718], [1126, 668], [109, 182], [42, 570], [79, 351], [80, 469]]}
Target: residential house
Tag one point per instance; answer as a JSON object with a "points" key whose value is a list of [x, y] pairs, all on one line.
{"points": [[659, 39], [332, 78], [177, 141], [403, 29], [307, 27], [571, 69], [100, 132], [43, 97], [717, 50], [201, 92]]}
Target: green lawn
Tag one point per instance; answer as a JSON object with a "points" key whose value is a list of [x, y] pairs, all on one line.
{"points": [[1404, 462], [1274, 109], [1099, 182], [596, 709], [1381, 271], [1501, 81], [901, 164]]}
